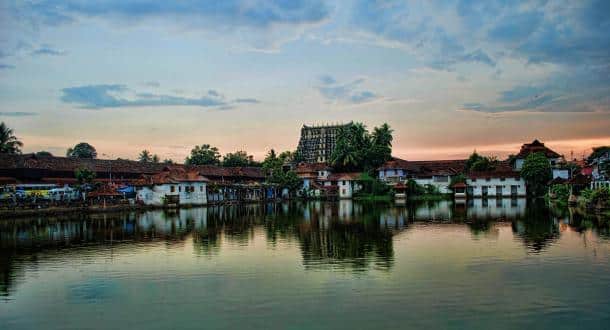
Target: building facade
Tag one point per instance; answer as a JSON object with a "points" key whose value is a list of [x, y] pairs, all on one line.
{"points": [[318, 142]]}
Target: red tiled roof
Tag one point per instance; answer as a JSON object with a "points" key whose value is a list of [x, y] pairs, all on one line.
{"points": [[501, 170], [459, 185], [426, 167], [536, 146], [104, 191], [57, 167], [311, 167], [173, 174], [344, 176]]}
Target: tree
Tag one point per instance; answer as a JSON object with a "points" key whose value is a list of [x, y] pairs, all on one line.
{"points": [[155, 158], [44, 154], [168, 161], [82, 150], [357, 150], [145, 156], [537, 173], [236, 159], [203, 155], [477, 162], [84, 175], [9, 143]]}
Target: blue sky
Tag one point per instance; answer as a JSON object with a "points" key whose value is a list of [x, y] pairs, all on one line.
{"points": [[448, 76]]}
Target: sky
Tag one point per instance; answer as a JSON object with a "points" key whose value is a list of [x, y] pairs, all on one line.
{"points": [[448, 76]]}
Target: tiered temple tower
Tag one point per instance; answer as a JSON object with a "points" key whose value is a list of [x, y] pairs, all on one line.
{"points": [[318, 142]]}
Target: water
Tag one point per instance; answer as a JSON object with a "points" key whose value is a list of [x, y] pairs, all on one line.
{"points": [[487, 265]]}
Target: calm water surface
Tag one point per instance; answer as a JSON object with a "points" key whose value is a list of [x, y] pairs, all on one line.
{"points": [[493, 264]]}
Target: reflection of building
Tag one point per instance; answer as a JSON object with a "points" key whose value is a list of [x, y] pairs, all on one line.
{"points": [[318, 142], [495, 208]]}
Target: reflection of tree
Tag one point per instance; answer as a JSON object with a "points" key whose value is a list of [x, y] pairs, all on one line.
{"points": [[537, 229], [350, 244]]}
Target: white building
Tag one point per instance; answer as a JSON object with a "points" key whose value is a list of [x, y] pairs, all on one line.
{"points": [[174, 185], [347, 184], [434, 173], [495, 184]]}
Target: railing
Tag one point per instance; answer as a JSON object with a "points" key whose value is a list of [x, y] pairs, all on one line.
{"points": [[600, 184]]}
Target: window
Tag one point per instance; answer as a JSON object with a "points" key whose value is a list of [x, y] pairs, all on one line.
{"points": [[179, 188], [502, 179], [201, 188], [487, 179], [172, 188]]}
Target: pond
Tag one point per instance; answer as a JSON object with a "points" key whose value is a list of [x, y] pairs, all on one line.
{"points": [[312, 265]]}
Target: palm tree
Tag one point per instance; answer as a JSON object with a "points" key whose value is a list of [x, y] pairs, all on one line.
{"points": [[382, 136], [9, 144], [145, 156]]}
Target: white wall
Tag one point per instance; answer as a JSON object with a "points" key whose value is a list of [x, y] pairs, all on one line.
{"points": [[154, 195], [491, 184], [442, 186]]}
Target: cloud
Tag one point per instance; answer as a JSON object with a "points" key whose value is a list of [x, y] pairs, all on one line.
{"points": [[6, 66], [47, 50], [154, 84], [196, 15], [348, 93], [18, 114], [246, 100], [118, 96]]}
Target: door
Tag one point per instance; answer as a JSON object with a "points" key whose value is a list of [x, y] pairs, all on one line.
{"points": [[499, 191], [484, 190], [513, 190]]}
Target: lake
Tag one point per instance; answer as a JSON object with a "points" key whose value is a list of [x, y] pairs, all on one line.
{"points": [[486, 264]]}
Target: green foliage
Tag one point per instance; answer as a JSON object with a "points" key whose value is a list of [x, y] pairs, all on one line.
{"points": [[203, 155], [477, 162], [168, 161], [413, 188], [82, 150], [146, 157], [561, 192], [239, 158], [597, 152], [44, 154], [357, 150], [460, 178], [272, 166], [9, 143], [373, 186], [537, 173], [84, 175]]}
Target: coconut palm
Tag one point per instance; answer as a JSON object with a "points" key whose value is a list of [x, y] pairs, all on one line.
{"points": [[9, 144]]}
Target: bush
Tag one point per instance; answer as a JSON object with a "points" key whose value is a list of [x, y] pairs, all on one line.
{"points": [[561, 191]]}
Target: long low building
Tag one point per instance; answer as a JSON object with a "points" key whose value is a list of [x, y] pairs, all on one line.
{"points": [[29, 168], [436, 173]]}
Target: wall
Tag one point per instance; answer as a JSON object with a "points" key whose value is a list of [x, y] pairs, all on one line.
{"points": [[154, 195], [491, 184]]}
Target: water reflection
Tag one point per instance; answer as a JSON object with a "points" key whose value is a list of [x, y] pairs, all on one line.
{"points": [[330, 236]]}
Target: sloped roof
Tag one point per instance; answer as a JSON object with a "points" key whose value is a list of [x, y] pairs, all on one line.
{"points": [[501, 170], [311, 167], [536, 146], [66, 164], [426, 167], [173, 174], [351, 176]]}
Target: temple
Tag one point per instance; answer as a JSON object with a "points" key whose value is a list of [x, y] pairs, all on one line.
{"points": [[318, 142]]}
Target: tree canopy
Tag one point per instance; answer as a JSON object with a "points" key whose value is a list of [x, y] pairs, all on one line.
{"points": [[273, 167], [9, 143], [82, 150], [477, 162], [237, 159], [356, 149], [146, 157], [203, 155], [536, 172], [43, 154]]}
